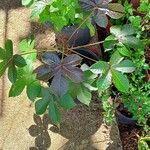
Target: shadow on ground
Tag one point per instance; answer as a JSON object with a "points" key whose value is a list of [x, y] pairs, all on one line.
{"points": [[77, 126]]}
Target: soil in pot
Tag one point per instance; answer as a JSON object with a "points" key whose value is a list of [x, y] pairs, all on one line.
{"points": [[129, 136]]}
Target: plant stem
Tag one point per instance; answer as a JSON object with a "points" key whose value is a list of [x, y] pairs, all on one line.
{"points": [[87, 45], [82, 55]]}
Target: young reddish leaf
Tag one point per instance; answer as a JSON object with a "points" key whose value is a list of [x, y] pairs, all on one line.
{"points": [[59, 85], [50, 58], [12, 73]]}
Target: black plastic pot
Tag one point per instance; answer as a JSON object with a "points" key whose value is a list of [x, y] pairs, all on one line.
{"points": [[80, 36], [121, 118]]}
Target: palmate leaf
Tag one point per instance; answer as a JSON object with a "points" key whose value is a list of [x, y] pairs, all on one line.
{"points": [[125, 35], [60, 70], [102, 8]]}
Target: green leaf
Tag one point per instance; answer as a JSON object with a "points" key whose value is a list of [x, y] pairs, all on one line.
{"points": [[9, 49], [27, 46], [124, 51], [19, 61], [33, 90], [132, 42], [67, 102], [84, 95], [17, 88], [99, 67], [39, 6], [3, 67], [126, 66], [12, 73], [116, 58], [41, 106], [109, 43], [104, 82], [2, 54], [26, 2], [120, 81], [54, 113]]}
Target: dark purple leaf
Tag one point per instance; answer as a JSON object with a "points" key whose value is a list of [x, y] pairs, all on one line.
{"points": [[74, 74], [59, 85], [101, 20], [72, 60], [87, 4], [50, 58], [44, 72]]}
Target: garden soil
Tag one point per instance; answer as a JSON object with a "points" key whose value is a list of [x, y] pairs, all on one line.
{"points": [[82, 128]]}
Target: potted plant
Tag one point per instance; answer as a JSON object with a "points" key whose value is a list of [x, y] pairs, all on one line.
{"points": [[66, 77]]}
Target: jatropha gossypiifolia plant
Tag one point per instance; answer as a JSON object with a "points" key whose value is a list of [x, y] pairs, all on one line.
{"points": [[62, 76]]}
